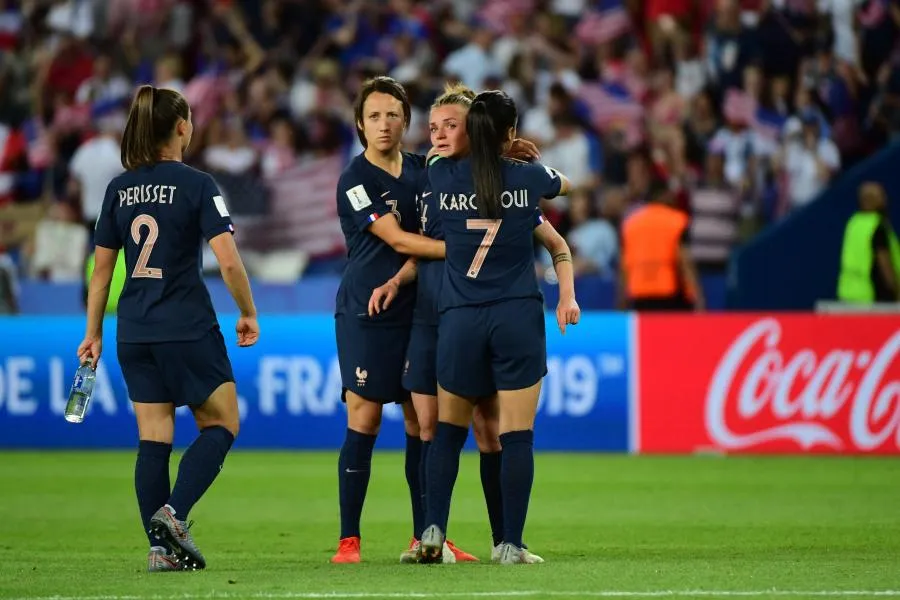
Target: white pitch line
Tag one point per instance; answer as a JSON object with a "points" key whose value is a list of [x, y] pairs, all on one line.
{"points": [[509, 594]]}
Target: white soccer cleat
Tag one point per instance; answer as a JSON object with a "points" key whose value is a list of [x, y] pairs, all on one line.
{"points": [[528, 557]]}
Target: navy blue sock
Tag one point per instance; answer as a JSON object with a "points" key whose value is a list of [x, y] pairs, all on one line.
{"points": [[490, 484], [516, 477], [199, 467], [413, 480], [423, 482], [354, 468], [443, 467], [151, 481]]}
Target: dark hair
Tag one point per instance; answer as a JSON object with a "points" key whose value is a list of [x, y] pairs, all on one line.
{"points": [[490, 118], [382, 85], [151, 120]]}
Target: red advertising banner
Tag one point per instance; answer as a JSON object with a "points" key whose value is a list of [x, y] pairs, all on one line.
{"points": [[762, 383]]}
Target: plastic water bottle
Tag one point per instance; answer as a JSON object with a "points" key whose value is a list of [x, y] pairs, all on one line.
{"points": [[80, 396]]}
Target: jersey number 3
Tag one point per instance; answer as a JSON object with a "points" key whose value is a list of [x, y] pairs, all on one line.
{"points": [[140, 267], [491, 227]]}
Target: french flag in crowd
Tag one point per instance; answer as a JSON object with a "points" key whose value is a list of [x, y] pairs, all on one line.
{"points": [[604, 22]]}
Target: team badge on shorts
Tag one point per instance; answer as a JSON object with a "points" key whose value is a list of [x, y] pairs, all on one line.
{"points": [[361, 376]]}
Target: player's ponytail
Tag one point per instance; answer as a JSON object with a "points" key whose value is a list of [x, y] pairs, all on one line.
{"points": [[151, 122], [491, 119]]}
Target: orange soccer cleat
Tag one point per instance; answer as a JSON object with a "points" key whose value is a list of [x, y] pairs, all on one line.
{"points": [[347, 552], [460, 555]]}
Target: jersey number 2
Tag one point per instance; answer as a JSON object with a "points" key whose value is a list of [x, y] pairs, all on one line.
{"points": [[491, 226], [140, 267]]}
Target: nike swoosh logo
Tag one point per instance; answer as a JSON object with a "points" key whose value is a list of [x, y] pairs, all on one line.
{"points": [[353, 470], [426, 194], [385, 194]]}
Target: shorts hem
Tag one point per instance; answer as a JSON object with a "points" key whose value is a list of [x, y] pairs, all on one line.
{"points": [[502, 388], [373, 400]]}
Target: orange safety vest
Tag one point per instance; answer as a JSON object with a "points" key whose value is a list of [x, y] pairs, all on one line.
{"points": [[650, 242]]}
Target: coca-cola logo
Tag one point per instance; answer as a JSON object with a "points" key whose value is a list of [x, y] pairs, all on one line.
{"points": [[796, 397]]}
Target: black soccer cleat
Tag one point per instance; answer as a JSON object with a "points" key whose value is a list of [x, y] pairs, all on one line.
{"points": [[431, 546], [176, 537]]}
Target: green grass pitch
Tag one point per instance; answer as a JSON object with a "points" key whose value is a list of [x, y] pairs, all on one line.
{"points": [[608, 526]]}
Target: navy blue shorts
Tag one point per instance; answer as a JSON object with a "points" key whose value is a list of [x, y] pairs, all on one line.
{"points": [[371, 359], [177, 372], [482, 349], [420, 371]]}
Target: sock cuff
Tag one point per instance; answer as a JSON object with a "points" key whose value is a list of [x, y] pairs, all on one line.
{"points": [[524, 436], [363, 439], [220, 435], [151, 448], [454, 430], [413, 440], [491, 455]]}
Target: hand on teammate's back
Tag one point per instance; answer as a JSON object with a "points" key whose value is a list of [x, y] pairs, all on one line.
{"points": [[524, 150], [248, 331], [567, 313]]}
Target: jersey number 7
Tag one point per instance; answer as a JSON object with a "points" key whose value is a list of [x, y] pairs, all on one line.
{"points": [[491, 227], [141, 270]]}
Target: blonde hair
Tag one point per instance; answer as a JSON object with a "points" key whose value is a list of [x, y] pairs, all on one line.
{"points": [[455, 93]]}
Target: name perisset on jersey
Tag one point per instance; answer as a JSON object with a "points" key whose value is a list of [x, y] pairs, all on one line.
{"points": [[141, 194], [515, 198]]}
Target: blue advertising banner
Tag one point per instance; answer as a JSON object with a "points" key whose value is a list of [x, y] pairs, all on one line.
{"points": [[289, 387]]}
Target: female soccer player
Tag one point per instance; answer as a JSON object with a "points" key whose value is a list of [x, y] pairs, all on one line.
{"points": [[170, 347], [491, 332], [376, 199], [447, 124]]}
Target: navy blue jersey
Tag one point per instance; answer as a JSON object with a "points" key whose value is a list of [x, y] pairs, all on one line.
{"points": [[161, 214], [490, 260], [366, 193], [430, 273]]}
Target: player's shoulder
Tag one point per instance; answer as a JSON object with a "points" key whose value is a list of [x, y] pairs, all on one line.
{"points": [[515, 165], [415, 160], [189, 173], [354, 172], [122, 180], [528, 171]]}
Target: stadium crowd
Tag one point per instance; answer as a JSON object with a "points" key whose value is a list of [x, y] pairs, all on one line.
{"points": [[741, 111]]}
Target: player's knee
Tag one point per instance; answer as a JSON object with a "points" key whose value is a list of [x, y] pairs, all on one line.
{"points": [[487, 438], [156, 432], [412, 427], [426, 431], [364, 416], [231, 423]]}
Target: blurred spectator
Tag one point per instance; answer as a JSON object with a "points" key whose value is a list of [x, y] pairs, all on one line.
{"points": [[739, 110], [94, 165], [60, 245], [473, 63], [228, 148], [715, 212], [809, 162], [594, 242], [105, 89], [570, 153]]}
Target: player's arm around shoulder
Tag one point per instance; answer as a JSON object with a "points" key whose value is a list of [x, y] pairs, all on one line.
{"points": [[567, 310], [388, 229], [557, 183]]}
